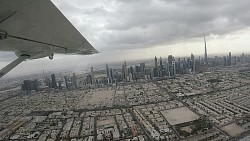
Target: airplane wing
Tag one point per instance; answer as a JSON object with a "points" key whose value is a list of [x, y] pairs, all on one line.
{"points": [[37, 26], [35, 29]]}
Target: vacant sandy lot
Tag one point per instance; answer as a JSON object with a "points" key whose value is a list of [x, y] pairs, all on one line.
{"points": [[233, 129], [179, 115], [105, 121], [105, 95], [95, 97]]}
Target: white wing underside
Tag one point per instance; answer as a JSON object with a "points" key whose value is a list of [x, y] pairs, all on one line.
{"points": [[38, 27]]}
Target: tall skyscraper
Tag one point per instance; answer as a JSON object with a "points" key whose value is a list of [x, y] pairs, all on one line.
{"points": [[229, 59], [35, 85], [74, 81], [142, 69], [173, 68], [107, 69], [170, 63], [92, 75], [166, 69], [161, 67], [225, 61], [27, 85], [125, 69], [170, 59], [53, 83], [130, 70], [67, 82], [156, 64], [123, 73], [192, 56], [234, 60], [89, 79], [192, 63], [242, 58], [205, 57], [111, 74], [60, 83]]}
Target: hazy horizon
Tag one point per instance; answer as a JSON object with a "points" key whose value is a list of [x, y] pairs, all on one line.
{"points": [[86, 67]]}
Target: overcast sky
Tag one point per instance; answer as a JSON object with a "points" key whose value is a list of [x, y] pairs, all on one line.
{"points": [[138, 29]]}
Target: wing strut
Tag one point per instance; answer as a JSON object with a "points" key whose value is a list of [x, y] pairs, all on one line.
{"points": [[13, 64]]}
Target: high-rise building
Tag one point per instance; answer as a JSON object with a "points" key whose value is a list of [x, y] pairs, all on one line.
{"points": [[161, 67], [53, 82], [173, 68], [29, 85], [192, 63], [131, 73], [74, 81], [229, 59], [156, 64], [66, 79], [92, 75], [89, 79], [170, 63], [123, 73], [60, 83], [198, 65], [35, 85], [167, 69], [225, 61], [170, 59], [155, 72], [142, 69], [181, 67], [234, 60], [130, 70], [192, 56], [205, 55], [137, 69], [242, 58], [107, 69], [125, 70], [111, 74]]}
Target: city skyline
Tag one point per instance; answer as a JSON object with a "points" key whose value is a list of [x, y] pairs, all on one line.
{"points": [[164, 68], [84, 68]]}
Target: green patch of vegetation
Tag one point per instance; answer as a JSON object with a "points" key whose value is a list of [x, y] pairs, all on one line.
{"points": [[214, 80], [184, 133], [197, 126]]}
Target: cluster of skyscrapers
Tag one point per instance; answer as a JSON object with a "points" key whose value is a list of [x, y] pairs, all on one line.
{"points": [[29, 85], [160, 68], [66, 82]]}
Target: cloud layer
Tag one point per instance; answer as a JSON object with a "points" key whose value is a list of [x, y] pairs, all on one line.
{"points": [[125, 24]]}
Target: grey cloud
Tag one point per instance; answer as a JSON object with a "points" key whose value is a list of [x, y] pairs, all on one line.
{"points": [[120, 24], [128, 24]]}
